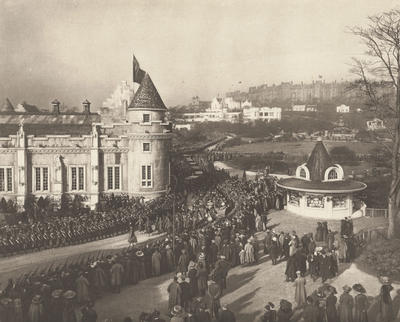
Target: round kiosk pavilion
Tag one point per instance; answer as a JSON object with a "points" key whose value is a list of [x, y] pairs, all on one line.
{"points": [[319, 188]]}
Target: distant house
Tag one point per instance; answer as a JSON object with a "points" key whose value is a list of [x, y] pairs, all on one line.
{"points": [[375, 124], [231, 104], [262, 113], [311, 108], [299, 108], [246, 104], [343, 109], [217, 103], [183, 126]]}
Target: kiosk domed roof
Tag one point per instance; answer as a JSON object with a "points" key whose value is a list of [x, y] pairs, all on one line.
{"points": [[318, 162]]}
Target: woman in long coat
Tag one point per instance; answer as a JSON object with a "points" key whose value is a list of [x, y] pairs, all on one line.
{"points": [[36, 312], [249, 253], [331, 311], [192, 274], [117, 272], [183, 262], [202, 278], [82, 288], [346, 304], [385, 302], [360, 304], [274, 250], [156, 262], [300, 292], [170, 258]]}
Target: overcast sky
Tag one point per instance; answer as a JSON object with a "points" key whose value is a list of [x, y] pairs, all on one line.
{"points": [[73, 50]]}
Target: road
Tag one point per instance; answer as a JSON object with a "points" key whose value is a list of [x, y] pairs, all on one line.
{"points": [[17, 265]]}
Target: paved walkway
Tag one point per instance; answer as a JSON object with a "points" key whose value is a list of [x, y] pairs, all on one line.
{"points": [[250, 288], [17, 265]]}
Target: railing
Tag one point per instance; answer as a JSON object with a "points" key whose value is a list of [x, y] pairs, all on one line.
{"points": [[374, 212], [370, 234]]}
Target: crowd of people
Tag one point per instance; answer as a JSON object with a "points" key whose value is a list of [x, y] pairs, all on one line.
{"points": [[205, 239], [214, 233]]}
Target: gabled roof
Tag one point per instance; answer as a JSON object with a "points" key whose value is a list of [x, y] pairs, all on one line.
{"points": [[147, 97], [318, 162], [7, 107]]}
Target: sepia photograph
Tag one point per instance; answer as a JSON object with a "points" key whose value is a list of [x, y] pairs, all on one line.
{"points": [[199, 161]]}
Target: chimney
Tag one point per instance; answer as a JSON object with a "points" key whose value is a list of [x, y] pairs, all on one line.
{"points": [[56, 106], [86, 106]]}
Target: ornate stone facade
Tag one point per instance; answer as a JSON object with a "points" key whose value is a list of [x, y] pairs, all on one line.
{"points": [[88, 158]]}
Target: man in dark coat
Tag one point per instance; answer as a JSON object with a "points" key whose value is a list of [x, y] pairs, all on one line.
{"points": [[226, 315], [269, 313], [186, 295], [310, 312], [324, 266]]}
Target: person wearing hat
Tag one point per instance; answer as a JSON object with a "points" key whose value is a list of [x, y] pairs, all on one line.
{"points": [[68, 312], [269, 313], [156, 262], [117, 272], [82, 288], [249, 252], [192, 274], [385, 307], [300, 292], [202, 278], [201, 313], [213, 296], [360, 304], [183, 262], [174, 293], [331, 310], [177, 314], [186, 295], [88, 313], [170, 258], [156, 317], [226, 315], [324, 266], [36, 310], [56, 305], [346, 304], [285, 311], [310, 312]]}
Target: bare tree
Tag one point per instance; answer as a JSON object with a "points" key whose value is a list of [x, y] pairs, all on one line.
{"points": [[379, 78]]}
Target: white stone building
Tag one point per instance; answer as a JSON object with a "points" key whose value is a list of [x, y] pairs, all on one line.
{"points": [[267, 114], [343, 109]]}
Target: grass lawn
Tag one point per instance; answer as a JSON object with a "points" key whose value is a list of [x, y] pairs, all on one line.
{"points": [[299, 148]]}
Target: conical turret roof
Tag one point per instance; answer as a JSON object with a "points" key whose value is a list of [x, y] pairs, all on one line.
{"points": [[7, 107], [147, 97], [318, 162]]}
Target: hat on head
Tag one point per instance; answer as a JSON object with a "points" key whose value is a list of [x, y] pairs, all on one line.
{"points": [[201, 256], [69, 295], [359, 288], [385, 280], [56, 293], [139, 253], [346, 288], [37, 299], [177, 310]]}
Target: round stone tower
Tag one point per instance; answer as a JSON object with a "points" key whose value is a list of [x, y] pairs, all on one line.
{"points": [[149, 142]]}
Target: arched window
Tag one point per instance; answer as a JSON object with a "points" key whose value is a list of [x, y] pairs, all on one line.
{"points": [[303, 173], [332, 175]]}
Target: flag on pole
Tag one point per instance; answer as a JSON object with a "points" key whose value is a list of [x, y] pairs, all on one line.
{"points": [[138, 74]]}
